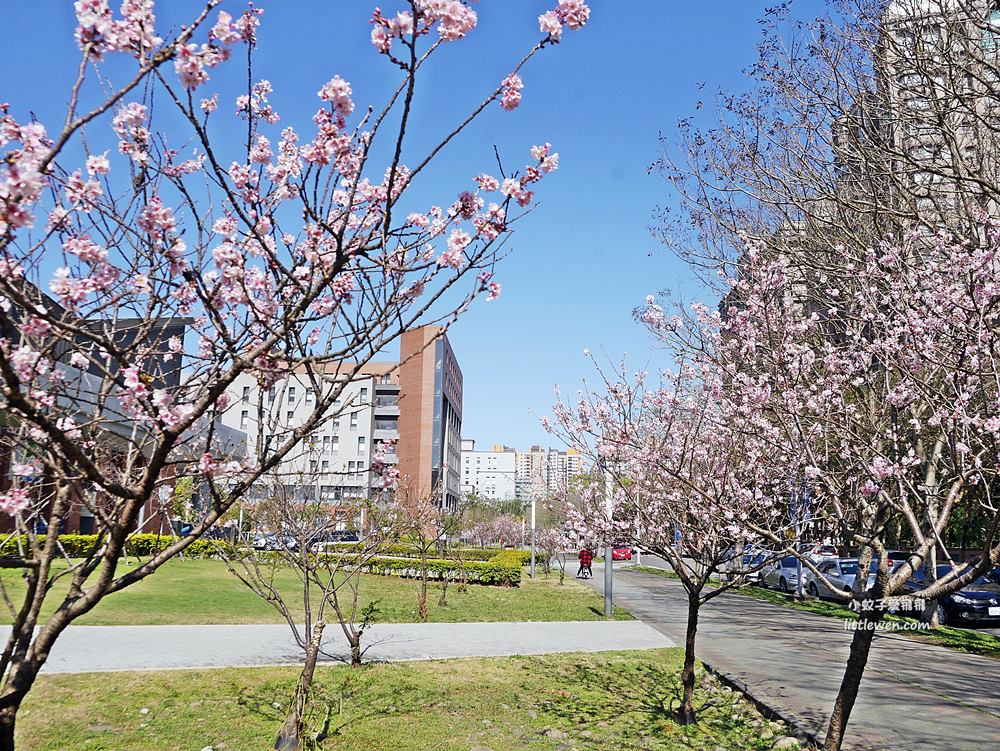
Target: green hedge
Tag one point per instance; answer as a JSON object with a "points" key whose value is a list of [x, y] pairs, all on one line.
{"points": [[402, 550], [78, 546], [502, 569]]}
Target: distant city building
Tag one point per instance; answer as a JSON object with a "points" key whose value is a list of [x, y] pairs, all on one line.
{"points": [[489, 474], [548, 470], [416, 402]]}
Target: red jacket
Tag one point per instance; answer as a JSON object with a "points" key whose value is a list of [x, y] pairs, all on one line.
{"points": [[586, 557]]}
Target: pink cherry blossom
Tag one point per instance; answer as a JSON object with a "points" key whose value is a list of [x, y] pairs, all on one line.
{"points": [[98, 164], [337, 92], [14, 501], [573, 13], [549, 23], [510, 97]]}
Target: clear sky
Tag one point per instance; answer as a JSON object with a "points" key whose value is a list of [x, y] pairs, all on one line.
{"points": [[585, 257]]}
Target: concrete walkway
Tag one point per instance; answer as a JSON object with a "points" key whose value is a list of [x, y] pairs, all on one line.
{"points": [[914, 694], [84, 649]]}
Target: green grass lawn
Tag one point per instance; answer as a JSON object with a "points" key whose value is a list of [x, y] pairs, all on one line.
{"points": [[963, 639], [545, 703], [203, 591]]}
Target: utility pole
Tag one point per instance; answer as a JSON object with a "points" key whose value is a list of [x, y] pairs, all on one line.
{"points": [[608, 549], [533, 536]]}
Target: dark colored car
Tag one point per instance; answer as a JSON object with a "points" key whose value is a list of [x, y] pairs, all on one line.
{"points": [[977, 603]]}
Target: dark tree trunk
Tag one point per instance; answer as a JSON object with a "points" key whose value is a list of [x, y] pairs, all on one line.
{"points": [[686, 714], [355, 642], [8, 716], [860, 648], [290, 735], [422, 592]]}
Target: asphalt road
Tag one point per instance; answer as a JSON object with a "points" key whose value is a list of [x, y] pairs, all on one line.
{"points": [[914, 695]]}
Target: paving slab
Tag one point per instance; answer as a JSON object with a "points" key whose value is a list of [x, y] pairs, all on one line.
{"points": [[84, 649], [914, 694]]}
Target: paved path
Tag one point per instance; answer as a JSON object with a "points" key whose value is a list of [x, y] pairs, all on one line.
{"points": [[914, 694], [84, 649]]}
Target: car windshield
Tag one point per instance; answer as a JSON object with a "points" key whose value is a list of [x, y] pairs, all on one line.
{"points": [[789, 561], [849, 567]]}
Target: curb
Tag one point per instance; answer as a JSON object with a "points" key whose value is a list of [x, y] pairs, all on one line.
{"points": [[769, 710]]}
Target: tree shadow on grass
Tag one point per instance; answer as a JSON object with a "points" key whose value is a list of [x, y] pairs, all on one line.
{"points": [[340, 700], [635, 703]]}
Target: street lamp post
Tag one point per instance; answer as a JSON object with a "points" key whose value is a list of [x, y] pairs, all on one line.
{"points": [[608, 552], [532, 537]]}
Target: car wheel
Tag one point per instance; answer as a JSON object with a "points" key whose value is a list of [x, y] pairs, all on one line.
{"points": [[813, 591], [942, 615], [782, 585]]}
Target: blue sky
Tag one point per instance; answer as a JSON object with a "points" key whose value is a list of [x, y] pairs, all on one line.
{"points": [[585, 257]]}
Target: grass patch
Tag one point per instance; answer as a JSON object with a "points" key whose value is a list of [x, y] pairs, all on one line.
{"points": [[538, 702], [203, 591]]}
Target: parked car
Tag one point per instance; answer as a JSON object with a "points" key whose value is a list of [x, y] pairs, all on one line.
{"points": [[782, 574], [977, 603], [750, 565], [841, 573], [621, 553], [819, 551], [271, 541]]}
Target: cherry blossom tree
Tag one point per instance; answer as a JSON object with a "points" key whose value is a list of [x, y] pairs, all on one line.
{"points": [[674, 472], [876, 386], [155, 245]]}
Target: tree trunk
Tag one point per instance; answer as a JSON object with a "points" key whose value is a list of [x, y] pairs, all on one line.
{"points": [[686, 714], [422, 597], [290, 736], [848, 694], [355, 641], [8, 715]]}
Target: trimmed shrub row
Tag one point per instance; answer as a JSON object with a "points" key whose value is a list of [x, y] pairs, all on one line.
{"points": [[402, 550], [77, 546], [501, 570]]}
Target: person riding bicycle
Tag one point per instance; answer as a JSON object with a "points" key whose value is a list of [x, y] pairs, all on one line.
{"points": [[586, 558]]}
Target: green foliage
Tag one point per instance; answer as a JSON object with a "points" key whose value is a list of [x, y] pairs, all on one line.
{"points": [[402, 550], [80, 546], [502, 569]]}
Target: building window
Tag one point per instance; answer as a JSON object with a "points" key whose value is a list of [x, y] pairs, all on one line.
{"points": [[326, 465], [270, 395], [313, 465], [354, 420], [336, 423], [310, 396], [350, 468], [244, 419], [364, 395], [386, 379], [290, 415], [361, 444], [336, 443], [291, 395], [326, 444], [246, 394]]}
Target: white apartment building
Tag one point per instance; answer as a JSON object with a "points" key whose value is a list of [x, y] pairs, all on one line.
{"points": [[549, 470], [489, 474], [333, 463]]}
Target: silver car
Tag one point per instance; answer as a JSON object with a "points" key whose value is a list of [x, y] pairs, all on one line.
{"points": [[840, 572], [783, 574]]}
